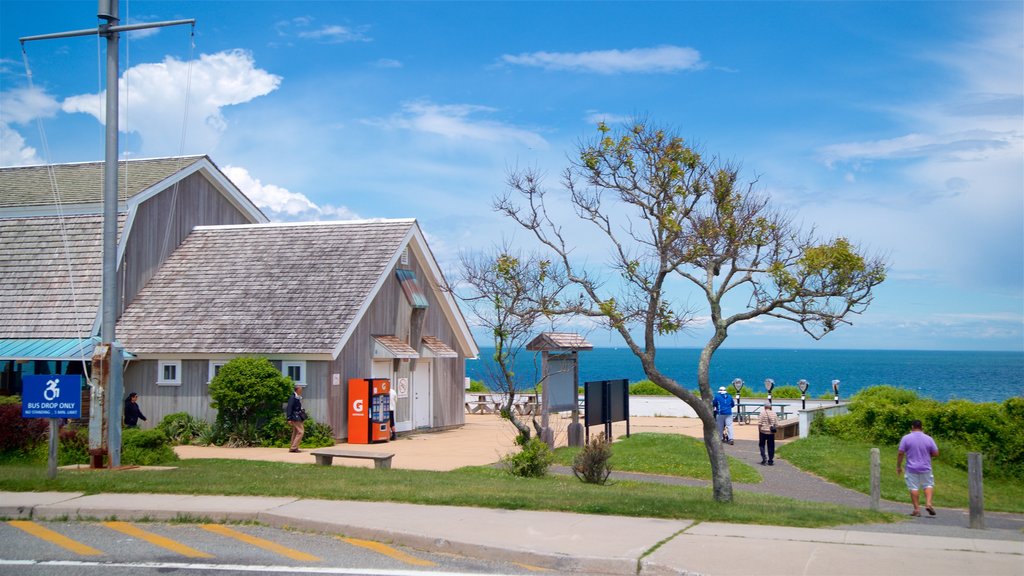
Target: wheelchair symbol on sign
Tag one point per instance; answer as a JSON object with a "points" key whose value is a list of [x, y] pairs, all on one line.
{"points": [[51, 392]]}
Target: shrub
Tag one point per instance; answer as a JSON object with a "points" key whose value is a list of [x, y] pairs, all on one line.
{"points": [[647, 388], [478, 386], [532, 460], [882, 414], [590, 464], [74, 446], [248, 394], [182, 427], [317, 435], [146, 448], [19, 434]]}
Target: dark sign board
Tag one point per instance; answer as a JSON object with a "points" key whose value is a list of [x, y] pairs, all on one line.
{"points": [[606, 401]]}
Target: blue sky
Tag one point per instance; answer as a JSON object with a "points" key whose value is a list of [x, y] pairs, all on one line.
{"points": [[899, 125]]}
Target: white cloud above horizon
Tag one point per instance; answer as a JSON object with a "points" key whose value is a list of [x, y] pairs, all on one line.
{"points": [[153, 98], [281, 204], [659, 60], [459, 122]]}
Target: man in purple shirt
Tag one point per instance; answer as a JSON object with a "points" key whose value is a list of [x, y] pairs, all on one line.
{"points": [[919, 449]]}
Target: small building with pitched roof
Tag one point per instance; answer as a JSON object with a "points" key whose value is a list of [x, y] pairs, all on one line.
{"points": [[205, 278]]}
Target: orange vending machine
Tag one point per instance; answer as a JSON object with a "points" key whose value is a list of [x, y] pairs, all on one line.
{"points": [[369, 404]]}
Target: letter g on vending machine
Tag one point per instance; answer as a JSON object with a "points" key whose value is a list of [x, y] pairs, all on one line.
{"points": [[369, 406]]}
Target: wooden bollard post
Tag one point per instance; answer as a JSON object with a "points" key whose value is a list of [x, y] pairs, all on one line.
{"points": [[975, 491], [876, 478]]}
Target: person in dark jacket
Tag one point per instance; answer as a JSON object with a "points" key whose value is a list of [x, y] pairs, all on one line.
{"points": [[132, 412], [296, 415]]}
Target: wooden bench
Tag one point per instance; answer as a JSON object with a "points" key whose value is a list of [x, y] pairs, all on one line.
{"points": [[326, 456], [787, 429]]}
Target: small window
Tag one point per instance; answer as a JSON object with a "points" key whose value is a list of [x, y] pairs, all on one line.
{"points": [[295, 370], [405, 256], [215, 366], [168, 373]]}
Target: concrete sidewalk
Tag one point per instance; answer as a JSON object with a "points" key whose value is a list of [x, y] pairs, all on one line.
{"points": [[559, 541]]}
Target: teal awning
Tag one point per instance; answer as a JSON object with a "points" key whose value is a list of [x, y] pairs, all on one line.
{"points": [[46, 348]]}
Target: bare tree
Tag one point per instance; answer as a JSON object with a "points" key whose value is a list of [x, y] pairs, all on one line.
{"points": [[676, 214], [509, 294]]}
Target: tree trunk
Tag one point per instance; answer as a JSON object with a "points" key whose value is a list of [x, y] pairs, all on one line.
{"points": [[721, 477]]}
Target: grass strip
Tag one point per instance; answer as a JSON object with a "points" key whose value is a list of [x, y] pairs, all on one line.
{"points": [[473, 486], [665, 454], [848, 464]]}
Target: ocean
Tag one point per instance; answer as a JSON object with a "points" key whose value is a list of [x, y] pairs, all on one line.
{"points": [[941, 375]]}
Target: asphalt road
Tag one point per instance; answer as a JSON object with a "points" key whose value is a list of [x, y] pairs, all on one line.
{"points": [[142, 548]]}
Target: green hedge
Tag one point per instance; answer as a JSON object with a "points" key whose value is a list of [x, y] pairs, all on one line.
{"points": [[882, 415]]}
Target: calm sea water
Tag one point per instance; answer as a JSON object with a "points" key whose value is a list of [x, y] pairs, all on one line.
{"points": [[976, 376]]}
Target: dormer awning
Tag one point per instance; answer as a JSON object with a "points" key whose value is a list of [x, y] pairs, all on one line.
{"points": [[390, 346], [434, 347]]}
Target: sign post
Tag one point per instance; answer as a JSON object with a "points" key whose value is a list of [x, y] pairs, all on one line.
{"points": [[53, 396]]}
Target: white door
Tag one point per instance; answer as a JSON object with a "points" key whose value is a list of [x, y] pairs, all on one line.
{"points": [[421, 395]]}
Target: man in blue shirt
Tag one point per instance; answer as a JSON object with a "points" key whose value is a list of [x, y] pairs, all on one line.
{"points": [[723, 403]]}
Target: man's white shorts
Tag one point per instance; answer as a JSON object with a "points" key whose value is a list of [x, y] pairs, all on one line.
{"points": [[919, 480]]}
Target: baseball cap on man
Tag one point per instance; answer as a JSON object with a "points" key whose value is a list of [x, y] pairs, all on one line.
{"points": [[721, 388]]}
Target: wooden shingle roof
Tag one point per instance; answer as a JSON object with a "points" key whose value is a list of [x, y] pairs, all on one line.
{"points": [[263, 289], [47, 291], [82, 183], [552, 341]]}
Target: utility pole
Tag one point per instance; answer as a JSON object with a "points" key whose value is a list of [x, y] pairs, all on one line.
{"points": [[111, 377]]}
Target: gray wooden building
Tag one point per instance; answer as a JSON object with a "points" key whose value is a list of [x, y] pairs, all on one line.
{"points": [[205, 279]]}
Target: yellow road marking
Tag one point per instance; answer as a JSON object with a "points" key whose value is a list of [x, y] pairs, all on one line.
{"points": [[55, 538], [156, 540], [387, 551], [531, 568], [260, 542]]}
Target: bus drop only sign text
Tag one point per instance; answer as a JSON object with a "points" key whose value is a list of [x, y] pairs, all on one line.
{"points": [[51, 396]]}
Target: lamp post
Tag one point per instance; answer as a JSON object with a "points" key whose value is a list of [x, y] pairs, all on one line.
{"points": [[802, 385], [835, 389], [768, 385]]}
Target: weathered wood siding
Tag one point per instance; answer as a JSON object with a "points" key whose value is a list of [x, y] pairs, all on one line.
{"points": [[193, 396], [389, 314], [162, 223], [156, 402]]}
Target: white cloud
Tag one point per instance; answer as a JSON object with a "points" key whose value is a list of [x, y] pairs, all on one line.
{"points": [[388, 63], [326, 34], [22, 106], [638, 60], [152, 98], [455, 122], [334, 34], [13, 150], [593, 118], [944, 192], [281, 204], [964, 146]]}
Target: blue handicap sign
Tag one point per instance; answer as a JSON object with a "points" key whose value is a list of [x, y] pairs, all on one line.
{"points": [[51, 396]]}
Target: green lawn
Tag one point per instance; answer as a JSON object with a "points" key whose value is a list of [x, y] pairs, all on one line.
{"points": [[848, 464], [666, 454], [475, 486]]}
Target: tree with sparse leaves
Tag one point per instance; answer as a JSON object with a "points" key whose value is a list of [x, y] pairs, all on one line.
{"points": [[509, 294], [668, 213]]}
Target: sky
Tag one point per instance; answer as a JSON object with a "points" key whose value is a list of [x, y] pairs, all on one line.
{"points": [[898, 125]]}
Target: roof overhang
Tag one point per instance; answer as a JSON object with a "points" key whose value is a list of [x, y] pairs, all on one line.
{"points": [[28, 349], [434, 347], [392, 347]]}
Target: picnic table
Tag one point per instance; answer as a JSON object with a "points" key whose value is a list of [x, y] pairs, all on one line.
{"points": [[745, 410]]}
